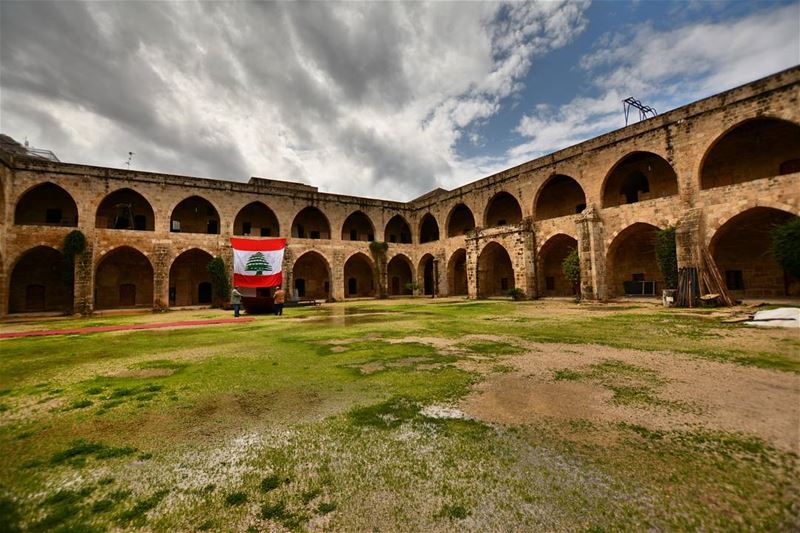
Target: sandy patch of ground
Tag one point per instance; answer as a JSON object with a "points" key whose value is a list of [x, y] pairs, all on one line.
{"points": [[727, 397], [143, 373]]}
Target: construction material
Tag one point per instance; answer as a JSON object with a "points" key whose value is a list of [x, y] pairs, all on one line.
{"points": [[711, 280], [784, 317], [688, 291]]}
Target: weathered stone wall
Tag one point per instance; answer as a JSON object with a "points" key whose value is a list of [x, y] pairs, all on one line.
{"points": [[682, 139]]}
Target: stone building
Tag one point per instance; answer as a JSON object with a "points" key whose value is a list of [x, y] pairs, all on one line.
{"points": [[724, 170]]}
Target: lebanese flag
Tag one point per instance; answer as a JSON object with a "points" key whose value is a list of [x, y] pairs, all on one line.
{"points": [[257, 262]]}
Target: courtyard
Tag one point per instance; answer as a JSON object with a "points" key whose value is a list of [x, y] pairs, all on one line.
{"points": [[403, 414]]}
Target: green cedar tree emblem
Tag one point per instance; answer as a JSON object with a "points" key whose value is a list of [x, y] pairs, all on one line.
{"points": [[258, 263]]}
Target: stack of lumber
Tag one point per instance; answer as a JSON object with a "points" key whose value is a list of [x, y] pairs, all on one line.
{"points": [[712, 282]]}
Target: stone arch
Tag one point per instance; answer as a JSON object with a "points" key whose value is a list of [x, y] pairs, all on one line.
{"points": [[123, 279], [359, 276], [428, 229], [311, 223], [741, 250], [358, 227], [125, 209], [552, 281], [189, 280], [495, 271], [311, 275], [631, 265], [457, 273], [195, 214], [39, 282], [400, 272], [398, 230], [753, 149], [639, 176], [720, 217], [256, 219], [426, 274], [502, 209], [559, 196], [460, 221], [46, 204]]}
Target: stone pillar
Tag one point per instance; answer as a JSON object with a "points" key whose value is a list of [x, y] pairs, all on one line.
{"points": [[83, 290], [439, 275], [161, 265], [337, 276], [591, 251], [525, 250], [472, 265], [690, 238], [288, 275]]}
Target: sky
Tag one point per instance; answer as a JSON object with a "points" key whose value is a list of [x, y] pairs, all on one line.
{"points": [[376, 99]]}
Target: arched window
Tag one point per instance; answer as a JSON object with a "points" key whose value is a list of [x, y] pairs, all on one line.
{"points": [[428, 229], [495, 271], [460, 221], [257, 220], [125, 209], [559, 196], [457, 273], [398, 230], [124, 278], [400, 275], [312, 276], [358, 227], [639, 176], [310, 223], [189, 279], [552, 281], [503, 209], [359, 276], [631, 264], [195, 215], [37, 282], [46, 205]]}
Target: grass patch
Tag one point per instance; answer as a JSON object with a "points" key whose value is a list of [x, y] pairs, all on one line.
{"points": [[81, 449], [235, 498], [139, 510]]}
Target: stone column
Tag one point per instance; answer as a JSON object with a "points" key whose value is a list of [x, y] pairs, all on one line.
{"points": [[161, 265], [473, 281], [591, 250], [690, 238], [525, 250], [337, 276], [288, 275], [83, 290]]}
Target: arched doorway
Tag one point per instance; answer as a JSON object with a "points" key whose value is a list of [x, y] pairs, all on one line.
{"points": [[124, 279], [194, 215], [457, 273], [359, 277], [399, 275], [428, 229], [755, 149], [312, 277], [552, 281], [257, 220], [40, 282], [46, 205], [398, 230], [639, 176], [358, 227], [631, 265], [125, 209], [310, 223], [460, 221], [559, 196], [503, 209], [741, 250], [189, 280], [427, 275], [495, 271]]}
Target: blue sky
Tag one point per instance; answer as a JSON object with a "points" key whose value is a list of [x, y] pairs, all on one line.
{"points": [[376, 99]]}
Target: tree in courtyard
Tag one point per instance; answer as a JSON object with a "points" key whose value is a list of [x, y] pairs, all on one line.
{"points": [[571, 267], [258, 263], [667, 256], [219, 280], [786, 246]]}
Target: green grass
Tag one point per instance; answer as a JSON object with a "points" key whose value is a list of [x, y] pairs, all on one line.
{"points": [[263, 425]]}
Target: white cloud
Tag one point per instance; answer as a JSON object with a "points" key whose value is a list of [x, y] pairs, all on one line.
{"points": [[665, 70]]}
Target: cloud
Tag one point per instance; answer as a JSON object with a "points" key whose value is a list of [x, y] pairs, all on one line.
{"points": [[664, 69], [361, 98]]}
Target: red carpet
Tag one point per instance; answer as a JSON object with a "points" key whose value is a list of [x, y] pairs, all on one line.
{"points": [[97, 329]]}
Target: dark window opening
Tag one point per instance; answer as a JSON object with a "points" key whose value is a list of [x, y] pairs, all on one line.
{"points": [[327, 287], [579, 208], [301, 231], [314, 235], [734, 280], [370, 237], [637, 277], [53, 216], [501, 222], [213, 226], [550, 283], [353, 235], [504, 284], [140, 222], [789, 167], [210, 211], [173, 294], [35, 298], [352, 286], [392, 238], [127, 295], [633, 185], [246, 228], [300, 285], [204, 293], [266, 232], [405, 238]]}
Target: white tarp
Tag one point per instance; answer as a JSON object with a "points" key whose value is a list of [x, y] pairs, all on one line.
{"points": [[784, 317]]}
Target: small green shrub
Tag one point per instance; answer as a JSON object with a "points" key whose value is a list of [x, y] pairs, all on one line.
{"points": [[326, 507], [220, 282], [516, 294], [571, 267]]}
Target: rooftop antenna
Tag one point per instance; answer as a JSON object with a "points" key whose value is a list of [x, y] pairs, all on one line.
{"points": [[130, 158], [644, 110]]}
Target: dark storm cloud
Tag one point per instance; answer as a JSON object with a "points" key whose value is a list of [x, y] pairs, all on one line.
{"points": [[368, 97]]}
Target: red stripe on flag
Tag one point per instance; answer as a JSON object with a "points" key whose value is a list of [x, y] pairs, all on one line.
{"points": [[258, 245], [273, 280]]}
